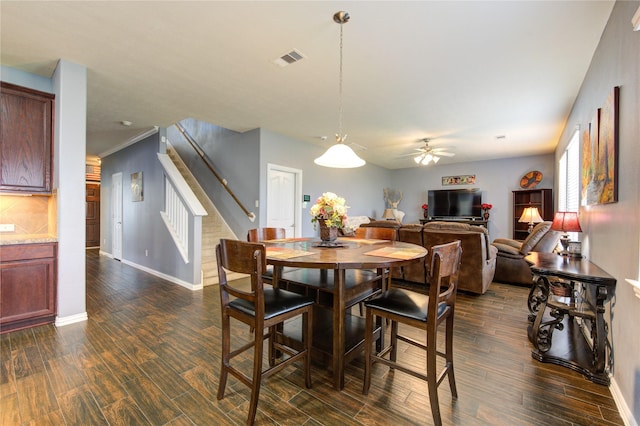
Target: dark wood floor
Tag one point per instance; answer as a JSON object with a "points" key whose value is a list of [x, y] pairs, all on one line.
{"points": [[149, 354]]}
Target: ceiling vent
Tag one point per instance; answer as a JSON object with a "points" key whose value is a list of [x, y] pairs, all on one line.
{"points": [[289, 58]]}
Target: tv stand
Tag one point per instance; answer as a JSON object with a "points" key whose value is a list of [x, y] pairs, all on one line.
{"points": [[479, 222]]}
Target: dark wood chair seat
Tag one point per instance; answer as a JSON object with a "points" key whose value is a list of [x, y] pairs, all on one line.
{"points": [[276, 302], [405, 303]]}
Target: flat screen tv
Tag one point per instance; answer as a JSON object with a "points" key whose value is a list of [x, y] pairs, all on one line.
{"points": [[455, 204]]}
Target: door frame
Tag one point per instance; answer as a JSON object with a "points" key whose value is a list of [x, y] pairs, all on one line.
{"points": [[297, 203], [116, 211]]}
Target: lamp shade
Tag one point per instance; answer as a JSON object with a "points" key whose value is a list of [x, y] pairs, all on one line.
{"points": [[340, 156], [566, 222], [530, 215]]}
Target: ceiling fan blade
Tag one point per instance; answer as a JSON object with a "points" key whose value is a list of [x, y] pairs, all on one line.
{"points": [[413, 154], [444, 154]]}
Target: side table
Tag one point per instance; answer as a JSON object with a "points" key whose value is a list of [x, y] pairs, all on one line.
{"points": [[569, 295]]}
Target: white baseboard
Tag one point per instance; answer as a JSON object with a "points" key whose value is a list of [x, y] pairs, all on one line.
{"points": [[623, 408], [71, 319], [193, 287], [104, 253]]}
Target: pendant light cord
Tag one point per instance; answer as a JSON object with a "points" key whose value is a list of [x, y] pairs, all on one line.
{"points": [[339, 137]]}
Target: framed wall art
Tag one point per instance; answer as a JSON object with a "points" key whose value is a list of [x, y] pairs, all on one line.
{"points": [[136, 187], [600, 154], [459, 180]]}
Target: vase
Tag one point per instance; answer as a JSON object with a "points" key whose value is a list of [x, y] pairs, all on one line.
{"points": [[486, 215], [328, 233], [425, 213]]}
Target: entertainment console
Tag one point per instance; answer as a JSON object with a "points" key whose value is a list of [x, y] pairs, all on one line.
{"points": [[479, 222]]}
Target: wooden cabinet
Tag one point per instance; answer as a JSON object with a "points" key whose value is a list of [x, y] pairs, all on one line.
{"points": [[26, 139], [540, 198], [27, 285]]}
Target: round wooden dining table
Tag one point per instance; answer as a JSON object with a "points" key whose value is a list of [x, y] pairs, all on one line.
{"points": [[338, 277]]}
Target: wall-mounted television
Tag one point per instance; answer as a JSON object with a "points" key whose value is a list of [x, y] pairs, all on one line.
{"points": [[455, 204]]}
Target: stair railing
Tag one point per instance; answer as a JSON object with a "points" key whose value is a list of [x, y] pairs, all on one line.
{"points": [[207, 162]]}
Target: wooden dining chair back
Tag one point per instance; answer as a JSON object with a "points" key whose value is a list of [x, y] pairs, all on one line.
{"points": [[257, 235], [373, 233], [425, 312], [260, 308]]}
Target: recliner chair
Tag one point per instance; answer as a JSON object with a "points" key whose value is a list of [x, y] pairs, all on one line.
{"points": [[511, 267]]}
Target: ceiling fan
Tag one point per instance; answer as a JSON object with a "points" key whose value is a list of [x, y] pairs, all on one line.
{"points": [[427, 154]]}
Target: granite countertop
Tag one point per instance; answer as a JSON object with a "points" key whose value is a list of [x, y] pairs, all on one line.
{"points": [[6, 240]]}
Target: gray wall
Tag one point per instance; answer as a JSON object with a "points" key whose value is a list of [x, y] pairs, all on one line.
{"points": [[235, 157], [611, 232], [495, 178], [142, 226], [362, 187]]}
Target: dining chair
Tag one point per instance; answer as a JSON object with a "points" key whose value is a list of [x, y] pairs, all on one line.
{"points": [[425, 312], [373, 233], [264, 234], [260, 308], [257, 235]]}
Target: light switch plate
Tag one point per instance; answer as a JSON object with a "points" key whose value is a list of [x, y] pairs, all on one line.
{"points": [[7, 227]]}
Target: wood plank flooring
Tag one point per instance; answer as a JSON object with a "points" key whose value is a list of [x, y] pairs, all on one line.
{"points": [[149, 354]]}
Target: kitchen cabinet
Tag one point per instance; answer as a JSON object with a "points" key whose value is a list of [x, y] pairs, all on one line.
{"points": [[26, 139], [27, 285]]}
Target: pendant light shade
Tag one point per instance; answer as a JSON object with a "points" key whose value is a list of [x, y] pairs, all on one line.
{"points": [[340, 156]]}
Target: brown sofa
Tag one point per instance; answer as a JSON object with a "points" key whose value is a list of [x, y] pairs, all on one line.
{"points": [[510, 264], [478, 255]]}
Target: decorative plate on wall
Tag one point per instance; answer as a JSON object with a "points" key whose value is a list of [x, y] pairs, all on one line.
{"points": [[531, 179]]}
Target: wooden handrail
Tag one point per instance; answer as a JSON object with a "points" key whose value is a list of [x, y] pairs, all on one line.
{"points": [[207, 162]]}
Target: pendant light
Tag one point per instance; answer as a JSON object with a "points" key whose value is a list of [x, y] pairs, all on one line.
{"points": [[340, 155]]}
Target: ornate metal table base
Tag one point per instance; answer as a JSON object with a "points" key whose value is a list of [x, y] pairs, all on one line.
{"points": [[570, 296]]}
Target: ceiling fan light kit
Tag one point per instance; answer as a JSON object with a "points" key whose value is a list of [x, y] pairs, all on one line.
{"points": [[428, 155], [340, 156]]}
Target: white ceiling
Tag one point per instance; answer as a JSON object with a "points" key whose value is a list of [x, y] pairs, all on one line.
{"points": [[461, 73]]}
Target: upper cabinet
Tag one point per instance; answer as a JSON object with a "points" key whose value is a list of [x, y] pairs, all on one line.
{"points": [[26, 140]]}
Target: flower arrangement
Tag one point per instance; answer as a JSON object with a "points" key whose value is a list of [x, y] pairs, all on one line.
{"points": [[425, 207], [330, 209], [486, 207]]}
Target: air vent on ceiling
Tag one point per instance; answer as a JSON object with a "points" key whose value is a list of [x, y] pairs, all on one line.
{"points": [[289, 58]]}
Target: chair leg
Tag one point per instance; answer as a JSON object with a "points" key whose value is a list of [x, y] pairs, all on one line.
{"points": [[368, 337], [449, 356], [307, 327], [432, 375], [257, 374], [272, 350], [224, 362], [394, 341]]}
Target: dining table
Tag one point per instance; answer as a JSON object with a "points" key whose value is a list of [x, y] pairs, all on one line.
{"points": [[338, 276]]}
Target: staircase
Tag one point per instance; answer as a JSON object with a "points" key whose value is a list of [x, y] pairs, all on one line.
{"points": [[213, 226]]}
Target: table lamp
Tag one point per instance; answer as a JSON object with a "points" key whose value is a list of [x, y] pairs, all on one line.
{"points": [[565, 222], [531, 216]]}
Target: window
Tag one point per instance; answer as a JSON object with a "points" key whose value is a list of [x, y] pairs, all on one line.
{"points": [[569, 176]]}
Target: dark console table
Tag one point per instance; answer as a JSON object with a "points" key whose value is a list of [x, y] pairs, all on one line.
{"points": [[467, 221], [569, 295]]}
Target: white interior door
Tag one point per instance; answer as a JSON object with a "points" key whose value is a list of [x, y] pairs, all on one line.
{"points": [[284, 191], [116, 203]]}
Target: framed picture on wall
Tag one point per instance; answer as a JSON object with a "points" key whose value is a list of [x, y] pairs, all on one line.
{"points": [[600, 154], [136, 187]]}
